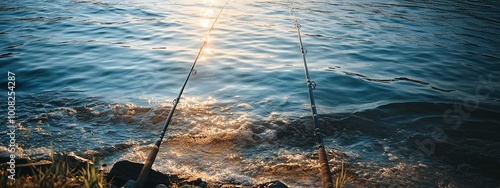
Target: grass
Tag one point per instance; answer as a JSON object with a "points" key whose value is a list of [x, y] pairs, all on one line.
{"points": [[57, 175], [342, 178], [90, 177]]}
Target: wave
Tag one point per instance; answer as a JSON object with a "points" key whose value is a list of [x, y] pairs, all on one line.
{"points": [[390, 144], [380, 146]]}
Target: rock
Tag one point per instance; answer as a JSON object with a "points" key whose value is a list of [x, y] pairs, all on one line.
{"points": [[123, 171], [203, 184], [273, 184], [174, 179], [161, 186], [28, 168], [197, 182], [129, 184], [5, 159], [75, 161]]}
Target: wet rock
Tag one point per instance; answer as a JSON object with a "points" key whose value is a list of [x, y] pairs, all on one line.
{"points": [[17, 163], [196, 182], [273, 184], [129, 184], [5, 159], [161, 186], [123, 171], [28, 168], [174, 179], [75, 161]]}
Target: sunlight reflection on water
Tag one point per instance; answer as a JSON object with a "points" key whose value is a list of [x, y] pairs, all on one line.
{"points": [[105, 72]]}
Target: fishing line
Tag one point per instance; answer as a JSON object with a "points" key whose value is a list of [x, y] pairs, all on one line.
{"points": [[326, 175], [152, 155]]}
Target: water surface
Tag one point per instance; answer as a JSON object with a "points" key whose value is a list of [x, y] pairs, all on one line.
{"points": [[405, 88]]}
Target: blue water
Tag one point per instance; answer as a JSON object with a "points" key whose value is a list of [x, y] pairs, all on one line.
{"points": [[98, 77]]}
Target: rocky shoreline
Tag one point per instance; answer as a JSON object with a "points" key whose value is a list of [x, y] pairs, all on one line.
{"points": [[123, 174], [361, 174], [123, 171]]}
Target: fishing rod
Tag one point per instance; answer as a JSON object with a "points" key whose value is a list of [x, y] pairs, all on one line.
{"points": [[152, 155], [326, 175]]}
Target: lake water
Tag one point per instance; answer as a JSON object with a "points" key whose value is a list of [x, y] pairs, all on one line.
{"points": [[408, 92]]}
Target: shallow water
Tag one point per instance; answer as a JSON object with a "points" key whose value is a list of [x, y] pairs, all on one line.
{"points": [[405, 89]]}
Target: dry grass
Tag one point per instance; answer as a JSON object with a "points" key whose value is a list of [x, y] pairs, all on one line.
{"points": [[57, 175], [342, 178]]}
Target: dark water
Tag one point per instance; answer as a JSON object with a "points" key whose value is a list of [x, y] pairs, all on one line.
{"points": [[408, 91]]}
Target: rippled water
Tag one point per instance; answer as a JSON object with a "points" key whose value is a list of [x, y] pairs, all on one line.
{"points": [[405, 88]]}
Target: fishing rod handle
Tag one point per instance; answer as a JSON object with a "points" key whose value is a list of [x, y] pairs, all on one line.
{"points": [[143, 176], [326, 175]]}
